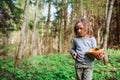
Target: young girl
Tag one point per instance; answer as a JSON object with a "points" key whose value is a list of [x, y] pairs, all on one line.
{"points": [[83, 42]]}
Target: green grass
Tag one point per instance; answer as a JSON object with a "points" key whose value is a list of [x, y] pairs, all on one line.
{"points": [[58, 67]]}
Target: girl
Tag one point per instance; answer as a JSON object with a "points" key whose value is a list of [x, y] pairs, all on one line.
{"points": [[83, 41]]}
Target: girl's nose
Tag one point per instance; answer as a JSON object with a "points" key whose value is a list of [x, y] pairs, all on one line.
{"points": [[79, 30]]}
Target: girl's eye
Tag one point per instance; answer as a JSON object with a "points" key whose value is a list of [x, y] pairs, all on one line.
{"points": [[78, 29], [81, 28]]}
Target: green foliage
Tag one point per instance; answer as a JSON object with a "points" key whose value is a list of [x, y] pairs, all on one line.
{"points": [[110, 71], [7, 50], [57, 67], [53, 66], [10, 16]]}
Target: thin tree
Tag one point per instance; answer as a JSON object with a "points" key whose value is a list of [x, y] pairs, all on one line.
{"points": [[34, 44], [23, 36], [48, 27], [65, 24], [118, 22], [23, 40], [109, 6]]}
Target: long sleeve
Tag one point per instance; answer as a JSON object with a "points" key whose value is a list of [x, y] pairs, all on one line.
{"points": [[73, 47], [94, 44]]}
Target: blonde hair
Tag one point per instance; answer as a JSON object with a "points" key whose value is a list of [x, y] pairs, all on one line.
{"points": [[87, 26]]}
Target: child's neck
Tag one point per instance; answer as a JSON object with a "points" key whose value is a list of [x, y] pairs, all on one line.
{"points": [[86, 36]]}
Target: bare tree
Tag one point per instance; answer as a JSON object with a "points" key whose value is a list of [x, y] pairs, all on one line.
{"points": [[109, 6], [23, 36], [48, 30], [65, 24], [35, 42], [23, 39]]}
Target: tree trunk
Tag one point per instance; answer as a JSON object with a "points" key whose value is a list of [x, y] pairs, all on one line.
{"points": [[34, 43], [49, 30], [47, 40], [106, 31], [59, 28], [99, 37], [77, 9], [118, 22], [59, 35], [65, 24], [41, 40], [72, 24], [81, 3], [21, 50], [23, 39]]}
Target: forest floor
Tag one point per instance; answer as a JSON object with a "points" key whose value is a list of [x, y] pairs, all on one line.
{"points": [[56, 66]]}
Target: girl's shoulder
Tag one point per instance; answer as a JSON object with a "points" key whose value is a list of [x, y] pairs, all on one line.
{"points": [[87, 38], [84, 38], [75, 39], [93, 38]]}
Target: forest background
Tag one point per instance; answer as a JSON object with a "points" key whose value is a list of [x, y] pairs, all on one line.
{"points": [[35, 27]]}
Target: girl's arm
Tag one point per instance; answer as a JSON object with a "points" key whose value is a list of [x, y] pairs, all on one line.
{"points": [[72, 51]]}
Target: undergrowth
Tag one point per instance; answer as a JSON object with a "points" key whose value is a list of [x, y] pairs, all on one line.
{"points": [[58, 67]]}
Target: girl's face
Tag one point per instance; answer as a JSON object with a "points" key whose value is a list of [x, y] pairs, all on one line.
{"points": [[81, 31]]}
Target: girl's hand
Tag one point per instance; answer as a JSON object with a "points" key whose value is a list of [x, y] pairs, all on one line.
{"points": [[100, 56], [75, 55], [97, 53]]}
